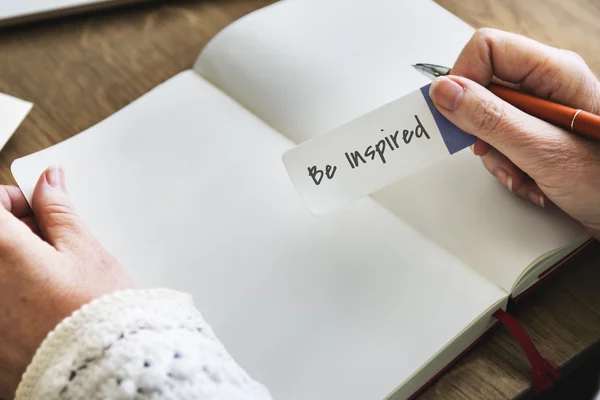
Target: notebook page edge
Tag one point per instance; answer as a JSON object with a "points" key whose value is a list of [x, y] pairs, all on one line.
{"points": [[449, 353]]}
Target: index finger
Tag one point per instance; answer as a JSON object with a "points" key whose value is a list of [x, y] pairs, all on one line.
{"points": [[546, 72]]}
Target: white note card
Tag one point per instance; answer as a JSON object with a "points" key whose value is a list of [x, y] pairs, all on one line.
{"points": [[372, 151], [12, 112]]}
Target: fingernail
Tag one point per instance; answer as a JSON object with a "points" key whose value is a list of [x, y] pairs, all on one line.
{"points": [[472, 147], [504, 177], [445, 93], [537, 198], [55, 176]]}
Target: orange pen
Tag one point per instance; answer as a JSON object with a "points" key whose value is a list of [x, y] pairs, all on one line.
{"points": [[574, 120]]}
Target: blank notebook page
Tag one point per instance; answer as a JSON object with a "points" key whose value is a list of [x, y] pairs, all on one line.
{"points": [[188, 190], [308, 66]]}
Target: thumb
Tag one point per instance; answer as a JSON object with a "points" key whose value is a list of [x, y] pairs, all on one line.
{"points": [[58, 222], [530, 143]]}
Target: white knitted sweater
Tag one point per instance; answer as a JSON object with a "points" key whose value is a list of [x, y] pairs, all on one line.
{"points": [[137, 344]]}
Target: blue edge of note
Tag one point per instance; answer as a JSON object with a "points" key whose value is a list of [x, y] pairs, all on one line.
{"points": [[455, 138]]}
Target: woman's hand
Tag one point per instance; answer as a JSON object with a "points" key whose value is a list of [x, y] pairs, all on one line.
{"points": [[50, 265], [532, 158]]}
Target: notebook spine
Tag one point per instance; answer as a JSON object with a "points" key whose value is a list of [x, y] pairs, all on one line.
{"points": [[542, 277], [543, 372]]}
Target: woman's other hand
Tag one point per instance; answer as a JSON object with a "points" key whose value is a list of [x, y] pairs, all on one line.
{"points": [[50, 265], [531, 158]]}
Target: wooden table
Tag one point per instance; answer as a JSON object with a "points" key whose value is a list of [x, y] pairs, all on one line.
{"points": [[81, 69]]}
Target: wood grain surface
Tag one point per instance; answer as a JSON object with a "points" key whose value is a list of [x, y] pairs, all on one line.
{"points": [[81, 69]]}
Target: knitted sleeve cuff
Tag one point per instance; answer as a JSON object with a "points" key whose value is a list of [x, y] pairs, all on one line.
{"points": [[148, 343]]}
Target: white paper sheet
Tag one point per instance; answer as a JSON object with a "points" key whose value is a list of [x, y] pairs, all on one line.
{"points": [[10, 9], [369, 153], [12, 112]]}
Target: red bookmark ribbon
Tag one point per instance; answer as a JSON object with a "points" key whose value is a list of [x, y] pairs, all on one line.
{"points": [[543, 373]]}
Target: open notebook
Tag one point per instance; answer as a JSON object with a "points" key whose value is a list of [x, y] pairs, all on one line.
{"points": [[186, 186]]}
